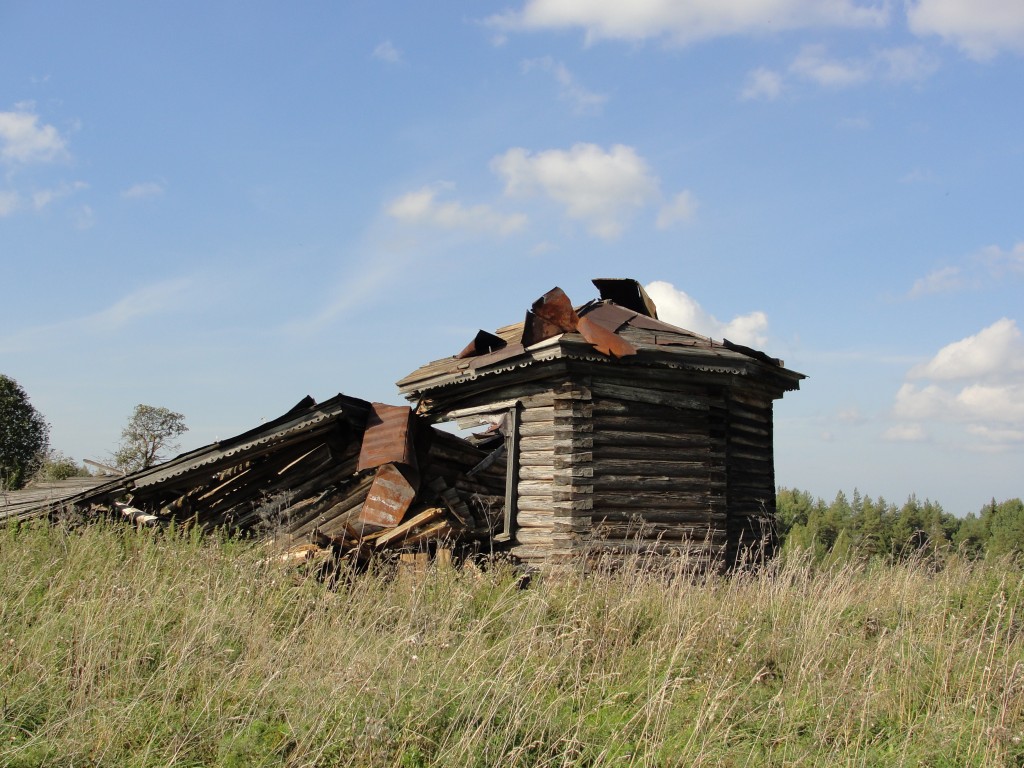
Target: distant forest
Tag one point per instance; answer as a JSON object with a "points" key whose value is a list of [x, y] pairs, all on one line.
{"points": [[862, 527]]}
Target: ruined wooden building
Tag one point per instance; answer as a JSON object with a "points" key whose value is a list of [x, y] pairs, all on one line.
{"points": [[344, 476], [598, 428], [620, 432]]}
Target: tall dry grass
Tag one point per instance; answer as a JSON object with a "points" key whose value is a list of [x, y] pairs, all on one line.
{"points": [[124, 648]]}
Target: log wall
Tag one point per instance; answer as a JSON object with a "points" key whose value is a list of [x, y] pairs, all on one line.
{"points": [[751, 492], [659, 471]]}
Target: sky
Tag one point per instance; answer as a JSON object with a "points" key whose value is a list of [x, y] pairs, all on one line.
{"points": [[221, 207]]}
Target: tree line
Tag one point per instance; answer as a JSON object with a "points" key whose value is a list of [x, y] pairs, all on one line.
{"points": [[26, 455], [863, 527]]}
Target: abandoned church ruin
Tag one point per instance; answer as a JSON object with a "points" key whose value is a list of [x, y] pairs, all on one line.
{"points": [[592, 428]]}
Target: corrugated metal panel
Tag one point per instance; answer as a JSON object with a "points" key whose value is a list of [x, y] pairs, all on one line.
{"points": [[388, 437], [389, 499]]}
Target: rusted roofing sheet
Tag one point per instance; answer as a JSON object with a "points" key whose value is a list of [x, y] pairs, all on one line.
{"points": [[553, 328], [388, 437]]}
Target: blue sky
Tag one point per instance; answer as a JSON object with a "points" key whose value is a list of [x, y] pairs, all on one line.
{"points": [[222, 207]]}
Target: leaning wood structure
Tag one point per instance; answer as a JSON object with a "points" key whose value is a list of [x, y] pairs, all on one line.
{"points": [[619, 431]]}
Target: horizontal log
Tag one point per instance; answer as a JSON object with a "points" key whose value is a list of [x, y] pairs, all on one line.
{"points": [[642, 466], [638, 453], [694, 552], [649, 395], [643, 485], [532, 536], [625, 437], [705, 517], [531, 415], [538, 503], [533, 520], [642, 499], [664, 531], [536, 472], [650, 424], [532, 396], [537, 429]]}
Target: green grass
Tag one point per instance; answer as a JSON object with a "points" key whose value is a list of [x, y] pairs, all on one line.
{"points": [[125, 648]]}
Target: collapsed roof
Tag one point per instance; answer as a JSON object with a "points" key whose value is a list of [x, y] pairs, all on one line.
{"points": [[622, 325], [346, 474]]}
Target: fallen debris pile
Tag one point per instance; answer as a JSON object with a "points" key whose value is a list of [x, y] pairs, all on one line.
{"points": [[345, 475]]}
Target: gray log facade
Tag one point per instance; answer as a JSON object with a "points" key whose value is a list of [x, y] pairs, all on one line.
{"points": [[663, 446]]}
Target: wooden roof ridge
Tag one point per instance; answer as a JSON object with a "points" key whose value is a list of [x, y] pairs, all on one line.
{"points": [[658, 341]]}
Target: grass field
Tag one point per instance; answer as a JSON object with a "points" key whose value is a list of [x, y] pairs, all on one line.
{"points": [[122, 648]]}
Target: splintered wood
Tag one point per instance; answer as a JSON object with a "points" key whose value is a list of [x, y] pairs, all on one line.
{"points": [[344, 478]]}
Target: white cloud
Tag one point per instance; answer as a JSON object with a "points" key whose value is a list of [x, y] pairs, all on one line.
{"points": [[940, 281], [995, 349], [23, 140], [143, 190], [85, 217], [583, 101], [904, 65], [762, 84], [980, 28], [42, 198], [977, 382], [601, 188], [898, 65], [680, 309], [905, 433], [423, 207], [386, 51], [10, 201], [687, 22], [813, 64], [681, 208], [851, 415], [1001, 261], [989, 264]]}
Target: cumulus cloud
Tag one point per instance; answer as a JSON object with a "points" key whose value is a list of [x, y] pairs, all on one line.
{"points": [[598, 187], [679, 308], [423, 207], [386, 51], [909, 64], [24, 140], [143, 190], [995, 349], [582, 100], [687, 22], [762, 84], [980, 28], [977, 381]]}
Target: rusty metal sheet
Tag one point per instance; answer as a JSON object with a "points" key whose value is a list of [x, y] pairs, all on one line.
{"points": [[611, 316], [482, 344], [604, 340], [555, 307], [390, 497], [536, 329], [388, 437], [626, 293]]}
